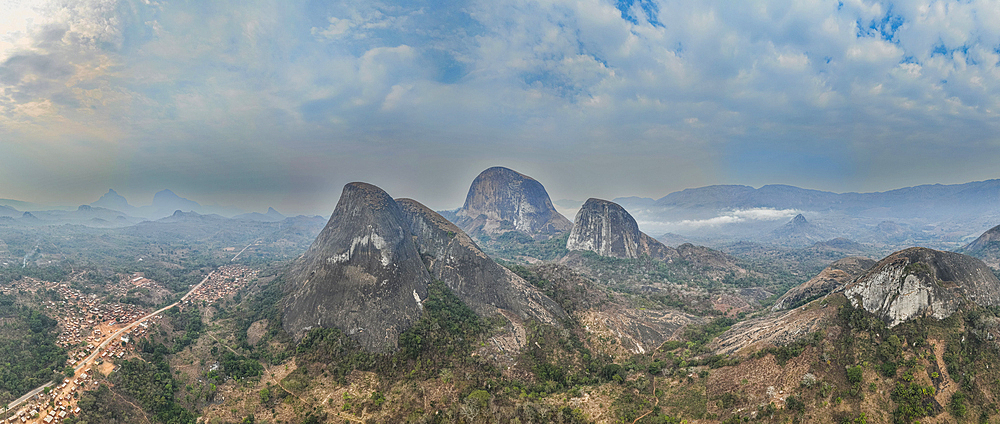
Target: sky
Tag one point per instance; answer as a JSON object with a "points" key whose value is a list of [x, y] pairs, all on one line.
{"points": [[280, 103]]}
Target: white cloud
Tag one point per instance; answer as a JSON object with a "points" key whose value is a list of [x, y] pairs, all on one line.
{"points": [[528, 80], [736, 216]]}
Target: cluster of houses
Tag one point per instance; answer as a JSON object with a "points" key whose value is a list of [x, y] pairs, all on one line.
{"points": [[87, 323], [129, 282], [223, 282], [81, 316], [55, 405]]}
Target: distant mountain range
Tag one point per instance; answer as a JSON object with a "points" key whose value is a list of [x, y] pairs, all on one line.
{"points": [[165, 202], [114, 210], [941, 216]]}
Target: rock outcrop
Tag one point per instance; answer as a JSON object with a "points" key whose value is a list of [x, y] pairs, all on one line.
{"points": [[363, 273], [986, 247], [923, 282], [831, 278], [608, 229], [368, 270], [488, 288], [502, 200]]}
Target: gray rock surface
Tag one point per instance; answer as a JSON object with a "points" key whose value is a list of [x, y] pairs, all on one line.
{"points": [[923, 282], [368, 271], [502, 200], [485, 286], [608, 229], [831, 278], [363, 274]]}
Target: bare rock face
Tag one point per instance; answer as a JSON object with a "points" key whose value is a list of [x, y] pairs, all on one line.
{"points": [[923, 282], [363, 273], [502, 200], [831, 278], [486, 287], [608, 229]]}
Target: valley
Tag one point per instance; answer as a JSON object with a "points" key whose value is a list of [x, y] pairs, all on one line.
{"points": [[502, 311]]}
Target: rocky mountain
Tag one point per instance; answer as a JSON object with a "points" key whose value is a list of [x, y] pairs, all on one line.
{"points": [[368, 271], [834, 276], [607, 229], [488, 288], [923, 282], [502, 200], [363, 273], [986, 247]]}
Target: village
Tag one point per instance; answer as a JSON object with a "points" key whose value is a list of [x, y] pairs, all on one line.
{"points": [[90, 325], [223, 282]]}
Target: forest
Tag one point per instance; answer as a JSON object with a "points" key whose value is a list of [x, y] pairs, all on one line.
{"points": [[28, 350]]}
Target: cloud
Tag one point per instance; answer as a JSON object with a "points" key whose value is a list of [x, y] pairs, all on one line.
{"points": [[621, 97], [736, 216]]}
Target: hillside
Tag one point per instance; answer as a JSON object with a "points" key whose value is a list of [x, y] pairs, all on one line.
{"points": [[986, 247], [831, 278]]}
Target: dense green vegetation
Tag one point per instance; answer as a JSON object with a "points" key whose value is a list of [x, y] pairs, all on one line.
{"points": [[186, 321], [102, 406], [445, 329], [29, 356], [515, 244], [443, 337], [150, 382], [45, 273], [262, 304], [239, 367]]}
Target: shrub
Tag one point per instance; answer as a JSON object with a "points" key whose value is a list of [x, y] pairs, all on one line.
{"points": [[854, 374]]}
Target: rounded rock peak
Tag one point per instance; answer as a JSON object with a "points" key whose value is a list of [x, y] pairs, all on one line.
{"points": [[360, 193], [499, 185], [359, 186], [594, 202], [594, 205], [501, 172]]}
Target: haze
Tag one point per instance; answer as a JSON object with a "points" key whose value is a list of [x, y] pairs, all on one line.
{"points": [[276, 103]]}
